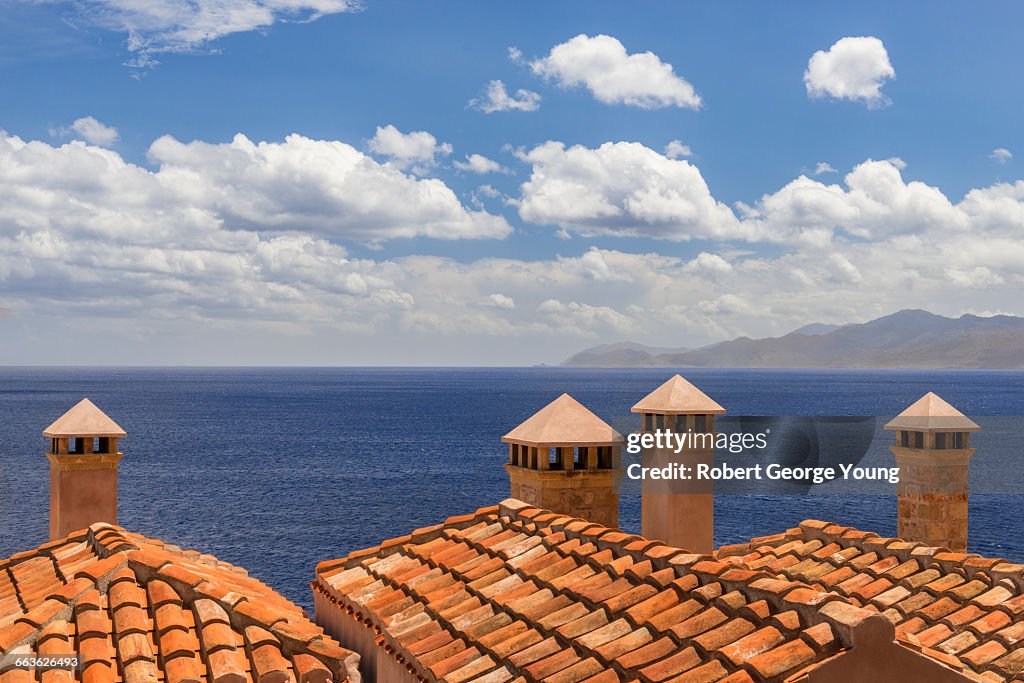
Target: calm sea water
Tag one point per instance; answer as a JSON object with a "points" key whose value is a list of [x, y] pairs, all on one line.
{"points": [[277, 469]]}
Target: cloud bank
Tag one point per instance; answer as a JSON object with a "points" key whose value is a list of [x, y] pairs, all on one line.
{"points": [[234, 244]]}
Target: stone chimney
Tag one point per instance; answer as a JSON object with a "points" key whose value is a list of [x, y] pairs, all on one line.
{"points": [[567, 460], [83, 459], [933, 451], [679, 512]]}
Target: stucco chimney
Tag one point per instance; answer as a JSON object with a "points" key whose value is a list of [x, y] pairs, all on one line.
{"points": [[680, 513], [567, 460], [933, 451], [83, 459]]}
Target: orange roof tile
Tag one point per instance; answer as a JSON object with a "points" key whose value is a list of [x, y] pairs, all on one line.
{"points": [[137, 609], [515, 593], [932, 414], [85, 419], [967, 608], [678, 397], [563, 422]]}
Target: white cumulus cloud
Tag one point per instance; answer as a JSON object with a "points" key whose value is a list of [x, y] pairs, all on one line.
{"points": [[876, 202], [621, 188], [709, 265], [823, 167], [854, 68], [594, 265], [602, 65], [501, 301], [496, 98], [677, 150], [90, 130], [478, 163], [416, 151]]}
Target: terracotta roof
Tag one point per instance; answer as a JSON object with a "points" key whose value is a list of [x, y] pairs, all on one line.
{"points": [[563, 422], [931, 414], [678, 397], [141, 611], [85, 419], [513, 594], [960, 607]]}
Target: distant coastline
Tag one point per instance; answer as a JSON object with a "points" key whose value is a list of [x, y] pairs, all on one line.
{"points": [[910, 339]]}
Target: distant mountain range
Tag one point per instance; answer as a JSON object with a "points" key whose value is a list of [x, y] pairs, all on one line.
{"points": [[907, 339]]}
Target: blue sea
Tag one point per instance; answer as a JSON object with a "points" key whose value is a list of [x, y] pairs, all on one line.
{"points": [[277, 469]]}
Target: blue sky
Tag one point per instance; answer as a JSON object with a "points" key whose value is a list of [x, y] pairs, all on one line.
{"points": [[569, 273]]}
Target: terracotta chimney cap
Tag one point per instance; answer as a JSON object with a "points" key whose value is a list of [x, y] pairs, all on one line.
{"points": [[563, 422], [85, 419], [678, 397], [932, 414]]}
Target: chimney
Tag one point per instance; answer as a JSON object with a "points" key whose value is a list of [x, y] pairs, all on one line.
{"points": [[567, 460], [83, 459], [679, 512], [933, 451]]}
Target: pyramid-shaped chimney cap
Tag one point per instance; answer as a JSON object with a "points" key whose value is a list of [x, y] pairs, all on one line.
{"points": [[563, 422], [678, 397], [932, 414], [85, 419]]}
